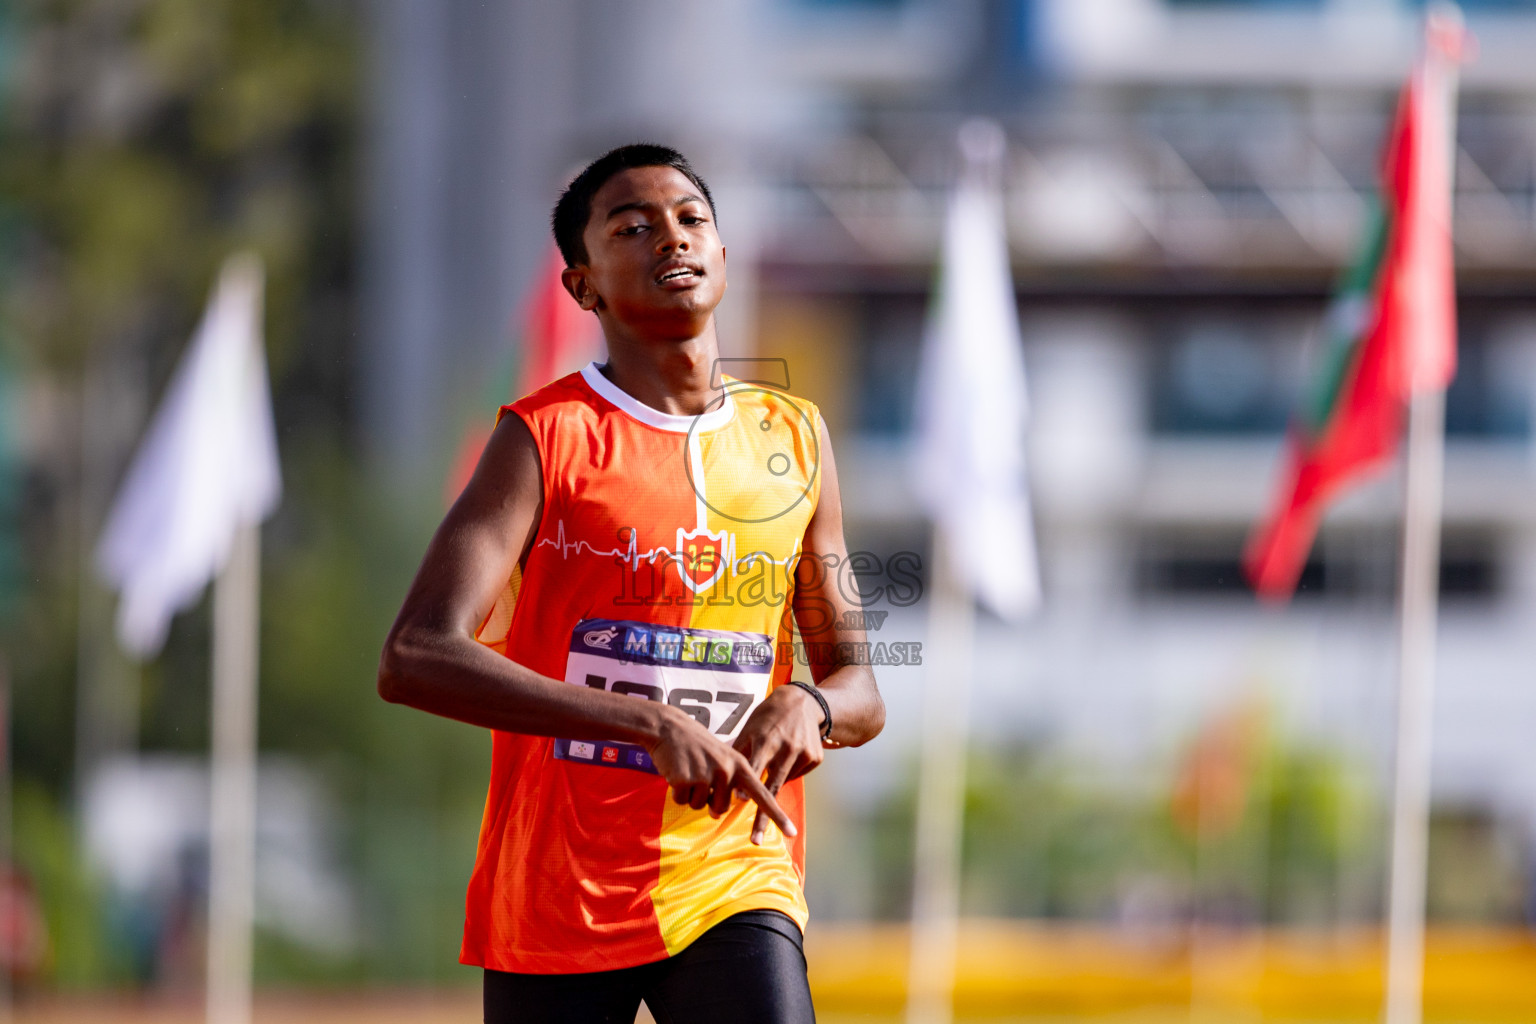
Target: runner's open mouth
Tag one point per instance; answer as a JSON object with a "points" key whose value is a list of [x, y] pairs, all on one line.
{"points": [[672, 273]]}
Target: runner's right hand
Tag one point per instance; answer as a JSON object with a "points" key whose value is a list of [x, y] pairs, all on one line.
{"points": [[703, 772]]}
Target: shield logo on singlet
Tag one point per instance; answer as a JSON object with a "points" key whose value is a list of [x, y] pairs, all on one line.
{"points": [[702, 556]]}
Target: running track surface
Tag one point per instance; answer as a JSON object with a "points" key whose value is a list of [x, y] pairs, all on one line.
{"points": [[1020, 972]]}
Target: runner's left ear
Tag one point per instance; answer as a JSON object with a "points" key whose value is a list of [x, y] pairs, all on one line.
{"points": [[575, 281]]}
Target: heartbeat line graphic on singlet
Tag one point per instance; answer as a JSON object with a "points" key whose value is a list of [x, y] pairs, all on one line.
{"points": [[631, 554]]}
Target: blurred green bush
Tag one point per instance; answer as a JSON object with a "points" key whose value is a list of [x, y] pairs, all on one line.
{"points": [[1051, 836]]}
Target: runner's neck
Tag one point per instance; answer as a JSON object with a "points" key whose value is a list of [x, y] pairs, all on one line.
{"points": [[673, 379]]}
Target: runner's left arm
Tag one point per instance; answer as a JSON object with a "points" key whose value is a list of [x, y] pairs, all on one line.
{"points": [[783, 736]]}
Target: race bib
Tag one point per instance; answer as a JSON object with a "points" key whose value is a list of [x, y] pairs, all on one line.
{"points": [[716, 676]]}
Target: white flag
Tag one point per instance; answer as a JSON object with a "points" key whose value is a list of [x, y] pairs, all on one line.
{"points": [[207, 465], [971, 405]]}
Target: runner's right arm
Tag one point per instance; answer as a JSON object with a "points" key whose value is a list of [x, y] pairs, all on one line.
{"points": [[431, 660]]}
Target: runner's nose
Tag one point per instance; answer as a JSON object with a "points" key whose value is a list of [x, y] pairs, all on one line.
{"points": [[672, 238]]}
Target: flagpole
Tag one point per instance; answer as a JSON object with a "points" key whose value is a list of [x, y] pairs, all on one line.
{"points": [[232, 845], [941, 793], [969, 463], [1419, 609], [1415, 702]]}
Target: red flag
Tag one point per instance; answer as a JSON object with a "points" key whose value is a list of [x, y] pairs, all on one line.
{"points": [[558, 337], [1391, 332]]}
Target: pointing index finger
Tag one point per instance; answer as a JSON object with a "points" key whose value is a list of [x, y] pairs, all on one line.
{"points": [[774, 781], [755, 789]]}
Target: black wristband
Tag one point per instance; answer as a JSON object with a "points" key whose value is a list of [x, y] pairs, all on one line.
{"points": [[826, 709]]}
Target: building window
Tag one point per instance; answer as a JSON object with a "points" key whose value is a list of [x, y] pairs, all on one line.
{"points": [[889, 350], [1470, 5], [1233, 374], [834, 5], [1222, 376], [1489, 399], [1354, 563], [1247, 3]]}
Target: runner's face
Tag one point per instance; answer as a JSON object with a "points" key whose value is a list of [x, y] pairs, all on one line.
{"points": [[654, 258]]}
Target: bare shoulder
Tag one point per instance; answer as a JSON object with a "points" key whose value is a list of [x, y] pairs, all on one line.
{"points": [[485, 534], [508, 475]]}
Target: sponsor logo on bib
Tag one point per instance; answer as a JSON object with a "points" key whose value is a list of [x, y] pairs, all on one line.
{"points": [[715, 677], [668, 645], [637, 640], [601, 637]]}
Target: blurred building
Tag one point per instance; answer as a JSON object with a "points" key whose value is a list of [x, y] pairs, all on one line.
{"points": [[1187, 179]]}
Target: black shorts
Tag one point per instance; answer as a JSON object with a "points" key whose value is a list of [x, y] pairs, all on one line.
{"points": [[748, 969]]}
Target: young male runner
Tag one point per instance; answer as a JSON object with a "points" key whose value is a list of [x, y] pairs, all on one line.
{"points": [[659, 524]]}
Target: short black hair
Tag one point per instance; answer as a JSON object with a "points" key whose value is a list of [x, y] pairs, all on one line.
{"points": [[574, 208]]}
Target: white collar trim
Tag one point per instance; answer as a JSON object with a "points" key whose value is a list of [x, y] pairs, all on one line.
{"points": [[627, 403]]}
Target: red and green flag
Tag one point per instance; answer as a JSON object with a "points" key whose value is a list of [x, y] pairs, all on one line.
{"points": [[1389, 334]]}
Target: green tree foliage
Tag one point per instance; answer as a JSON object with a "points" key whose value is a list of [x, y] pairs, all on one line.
{"points": [[146, 140], [141, 142], [1047, 836]]}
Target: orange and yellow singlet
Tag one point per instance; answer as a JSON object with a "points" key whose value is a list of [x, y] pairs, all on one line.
{"points": [[662, 569]]}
